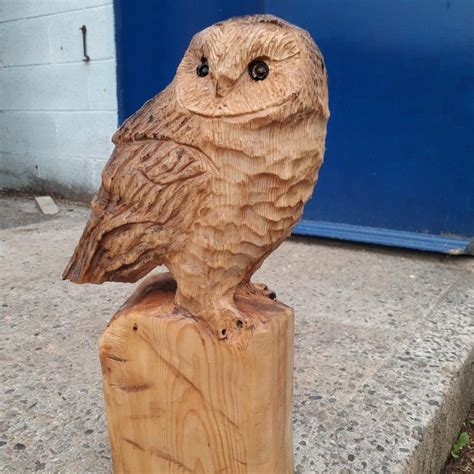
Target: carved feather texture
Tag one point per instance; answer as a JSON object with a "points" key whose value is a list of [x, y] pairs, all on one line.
{"points": [[149, 189], [210, 176]]}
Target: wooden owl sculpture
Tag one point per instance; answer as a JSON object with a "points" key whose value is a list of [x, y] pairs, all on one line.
{"points": [[211, 175]]}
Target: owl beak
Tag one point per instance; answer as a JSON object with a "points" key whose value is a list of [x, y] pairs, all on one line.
{"points": [[224, 85]]}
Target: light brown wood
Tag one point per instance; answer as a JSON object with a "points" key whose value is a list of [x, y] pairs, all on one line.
{"points": [[211, 175], [180, 400], [207, 178]]}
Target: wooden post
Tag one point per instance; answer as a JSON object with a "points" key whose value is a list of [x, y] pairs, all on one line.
{"points": [[179, 400]]}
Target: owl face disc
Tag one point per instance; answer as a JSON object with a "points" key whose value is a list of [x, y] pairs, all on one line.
{"points": [[241, 67]]}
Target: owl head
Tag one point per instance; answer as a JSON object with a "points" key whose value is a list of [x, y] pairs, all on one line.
{"points": [[252, 66]]}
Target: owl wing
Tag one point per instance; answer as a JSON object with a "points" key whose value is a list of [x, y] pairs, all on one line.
{"points": [[151, 192]]}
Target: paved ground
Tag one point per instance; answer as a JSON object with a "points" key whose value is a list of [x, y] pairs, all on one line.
{"points": [[384, 351]]}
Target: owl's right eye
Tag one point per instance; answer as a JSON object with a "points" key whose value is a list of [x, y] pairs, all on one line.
{"points": [[203, 69]]}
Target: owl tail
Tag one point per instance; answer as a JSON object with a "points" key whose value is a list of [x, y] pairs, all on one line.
{"points": [[83, 262], [73, 272], [124, 253], [80, 268]]}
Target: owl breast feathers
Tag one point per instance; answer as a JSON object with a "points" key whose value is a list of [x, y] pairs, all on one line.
{"points": [[210, 175]]}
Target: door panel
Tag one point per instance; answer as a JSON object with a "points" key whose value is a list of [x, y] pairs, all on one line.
{"points": [[400, 148]]}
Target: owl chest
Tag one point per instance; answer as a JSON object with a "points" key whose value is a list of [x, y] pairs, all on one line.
{"points": [[263, 176], [247, 197]]}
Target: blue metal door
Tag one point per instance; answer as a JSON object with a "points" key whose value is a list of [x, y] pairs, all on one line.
{"points": [[399, 164]]}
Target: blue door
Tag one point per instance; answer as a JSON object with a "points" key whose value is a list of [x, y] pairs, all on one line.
{"points": [[399, 167]]}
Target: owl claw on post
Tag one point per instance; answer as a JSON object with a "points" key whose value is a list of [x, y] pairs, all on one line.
{"points": [[229, 323], [268, 292], [258, 288]]}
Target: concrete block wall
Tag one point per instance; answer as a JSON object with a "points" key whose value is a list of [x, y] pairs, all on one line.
{"points": [[57, 112]]}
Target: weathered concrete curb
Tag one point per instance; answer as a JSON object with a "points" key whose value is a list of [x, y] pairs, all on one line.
{"points": [[439, 436]]}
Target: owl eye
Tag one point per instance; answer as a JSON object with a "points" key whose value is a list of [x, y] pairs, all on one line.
{"points": [[258, 70], [203, 69]]}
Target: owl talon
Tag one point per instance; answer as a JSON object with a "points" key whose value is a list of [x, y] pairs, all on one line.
{"points": [[263, 289], [232, 324]]}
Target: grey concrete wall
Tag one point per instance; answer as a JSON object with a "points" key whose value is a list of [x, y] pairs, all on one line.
{"points": [[57, 112]]}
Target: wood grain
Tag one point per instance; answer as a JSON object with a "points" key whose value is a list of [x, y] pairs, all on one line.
{"points": [[180, 400], [211, 175]]}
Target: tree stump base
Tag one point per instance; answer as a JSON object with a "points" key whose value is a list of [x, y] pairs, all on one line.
{"points": [[179, 400]]}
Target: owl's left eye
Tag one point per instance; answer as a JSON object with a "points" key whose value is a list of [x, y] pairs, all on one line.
{"points": [[203, 69], [258, 70]]}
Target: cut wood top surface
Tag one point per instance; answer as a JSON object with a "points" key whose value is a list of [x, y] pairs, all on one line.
{"points": [[154, 298]]}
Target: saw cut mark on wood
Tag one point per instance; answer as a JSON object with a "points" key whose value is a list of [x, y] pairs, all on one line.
{"points": [[179, 400]]}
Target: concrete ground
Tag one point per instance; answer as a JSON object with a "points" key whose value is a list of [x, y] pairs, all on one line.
{"points": [[384, 351]]}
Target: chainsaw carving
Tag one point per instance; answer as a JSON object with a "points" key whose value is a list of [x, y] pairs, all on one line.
{"points": [[211, 175]]}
